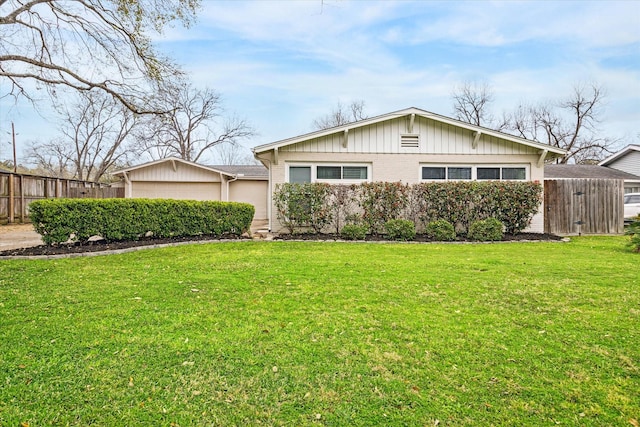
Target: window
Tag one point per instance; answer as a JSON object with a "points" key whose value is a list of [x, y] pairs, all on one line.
{"points": [[488, 173], [514, 173], [299, 174], [429, 172], [458, 173], [479, 173], [330, 173]]}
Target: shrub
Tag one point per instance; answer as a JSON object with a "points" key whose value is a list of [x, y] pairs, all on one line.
{"points": [[633, 231], [303, 205], [354, 232], [441, 230], [58, 220], [381, 202], [485, 230], [400, 229], [462, 203]]}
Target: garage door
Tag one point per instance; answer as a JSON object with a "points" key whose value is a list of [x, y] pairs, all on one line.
{"points": [[253, 192], [176, 190]]}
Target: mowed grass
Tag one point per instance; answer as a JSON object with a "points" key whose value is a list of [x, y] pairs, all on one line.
{"points": [[288, 333]]}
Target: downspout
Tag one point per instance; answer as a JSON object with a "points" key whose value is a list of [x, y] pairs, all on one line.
{"points": [[235, 178]]}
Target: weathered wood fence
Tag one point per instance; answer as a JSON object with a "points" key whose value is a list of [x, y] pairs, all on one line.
{"points": [[17, 191], [583, 206]]}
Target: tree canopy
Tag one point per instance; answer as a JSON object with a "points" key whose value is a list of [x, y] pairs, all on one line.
{"points": [[87, 45]]}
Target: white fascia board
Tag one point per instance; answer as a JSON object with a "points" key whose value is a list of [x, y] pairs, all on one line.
{"points": [[614, 156], [172, 160]]}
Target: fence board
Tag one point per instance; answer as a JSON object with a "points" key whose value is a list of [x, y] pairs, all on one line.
{"points": [[583, 206], [18, 191]]}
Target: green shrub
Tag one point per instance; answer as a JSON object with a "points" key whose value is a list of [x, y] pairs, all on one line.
{"points": [[633, 231], [400, 229], [381, 202], [59, 220], [441, 230], [303, 205], [354, 232], [485, 230]]}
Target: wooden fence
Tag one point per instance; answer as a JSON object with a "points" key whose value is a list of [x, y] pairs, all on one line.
{"points": [[583, 206], [17, 191]]}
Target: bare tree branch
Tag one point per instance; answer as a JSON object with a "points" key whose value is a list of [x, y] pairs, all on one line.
{"points": [[341, 115], [87, 45], [191, 126]]}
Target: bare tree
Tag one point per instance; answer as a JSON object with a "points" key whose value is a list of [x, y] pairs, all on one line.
{"points": [[51, 159], [88, 45], [96, 131], [192, 125], [234, 154], [472, 103], [570, 124], [341, 115]]}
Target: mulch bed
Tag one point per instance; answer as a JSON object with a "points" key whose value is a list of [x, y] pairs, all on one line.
{"points": [[101, 245], [419, 237]]}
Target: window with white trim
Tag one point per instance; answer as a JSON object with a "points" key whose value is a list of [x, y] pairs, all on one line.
{"points": [[480, 173], [330, 173]]}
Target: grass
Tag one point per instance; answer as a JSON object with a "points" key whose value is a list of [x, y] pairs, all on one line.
{"points": [[259, 333]]}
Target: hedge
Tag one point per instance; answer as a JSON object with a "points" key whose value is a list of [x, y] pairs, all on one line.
{"points": [[319, 206], [59, 220]]}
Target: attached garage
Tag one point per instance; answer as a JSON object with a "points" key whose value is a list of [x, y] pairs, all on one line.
{"points": [[177, 190], [174, 178]]}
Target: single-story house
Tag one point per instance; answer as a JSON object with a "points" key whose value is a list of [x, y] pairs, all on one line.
{"points": [[174, 178], [626, 160], [411, 146]]}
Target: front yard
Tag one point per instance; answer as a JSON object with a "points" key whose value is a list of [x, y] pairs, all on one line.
{"points": [[293, 333]]}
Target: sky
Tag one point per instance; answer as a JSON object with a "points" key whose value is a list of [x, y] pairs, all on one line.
{"points": [[282, 64]]}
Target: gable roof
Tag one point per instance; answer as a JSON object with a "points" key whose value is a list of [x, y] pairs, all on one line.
{"points": [[586, 171], [552, 151], [628, 149], [249, 171]]}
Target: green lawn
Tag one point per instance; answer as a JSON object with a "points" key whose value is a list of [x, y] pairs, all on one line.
{"points": [[288, 333]]}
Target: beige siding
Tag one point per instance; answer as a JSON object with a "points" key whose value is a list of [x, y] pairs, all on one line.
{"points": [[435, 138], [253, 192], [176, 190], [165, 172]]}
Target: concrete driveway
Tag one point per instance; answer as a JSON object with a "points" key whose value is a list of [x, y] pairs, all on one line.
{"points": [[15, 236]]}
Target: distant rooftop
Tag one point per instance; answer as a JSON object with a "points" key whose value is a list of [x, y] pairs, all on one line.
{"points": [[249, 171], [586, 171]]}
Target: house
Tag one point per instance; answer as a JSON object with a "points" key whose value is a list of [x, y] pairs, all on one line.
{"points": [[411, 146], [626, 160], [174, 178]]}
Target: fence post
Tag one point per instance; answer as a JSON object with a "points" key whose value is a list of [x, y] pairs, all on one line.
{"points": [[11, 205]]}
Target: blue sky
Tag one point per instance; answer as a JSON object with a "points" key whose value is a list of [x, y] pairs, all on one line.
{"points": [[281, 64]]}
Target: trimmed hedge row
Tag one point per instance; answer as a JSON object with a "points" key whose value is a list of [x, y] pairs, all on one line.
{"points": [[320, 206], [59, 220]]}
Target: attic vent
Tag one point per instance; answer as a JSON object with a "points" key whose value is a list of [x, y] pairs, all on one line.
{"points": [[409, 141]]}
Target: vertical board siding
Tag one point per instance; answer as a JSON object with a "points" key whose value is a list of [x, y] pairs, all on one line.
{"points": [[384, 137], [15, 199], [583, 206]]}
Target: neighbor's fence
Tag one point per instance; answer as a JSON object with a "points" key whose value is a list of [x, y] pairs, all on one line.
{"points": [[583, 206], [17, 191]]}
